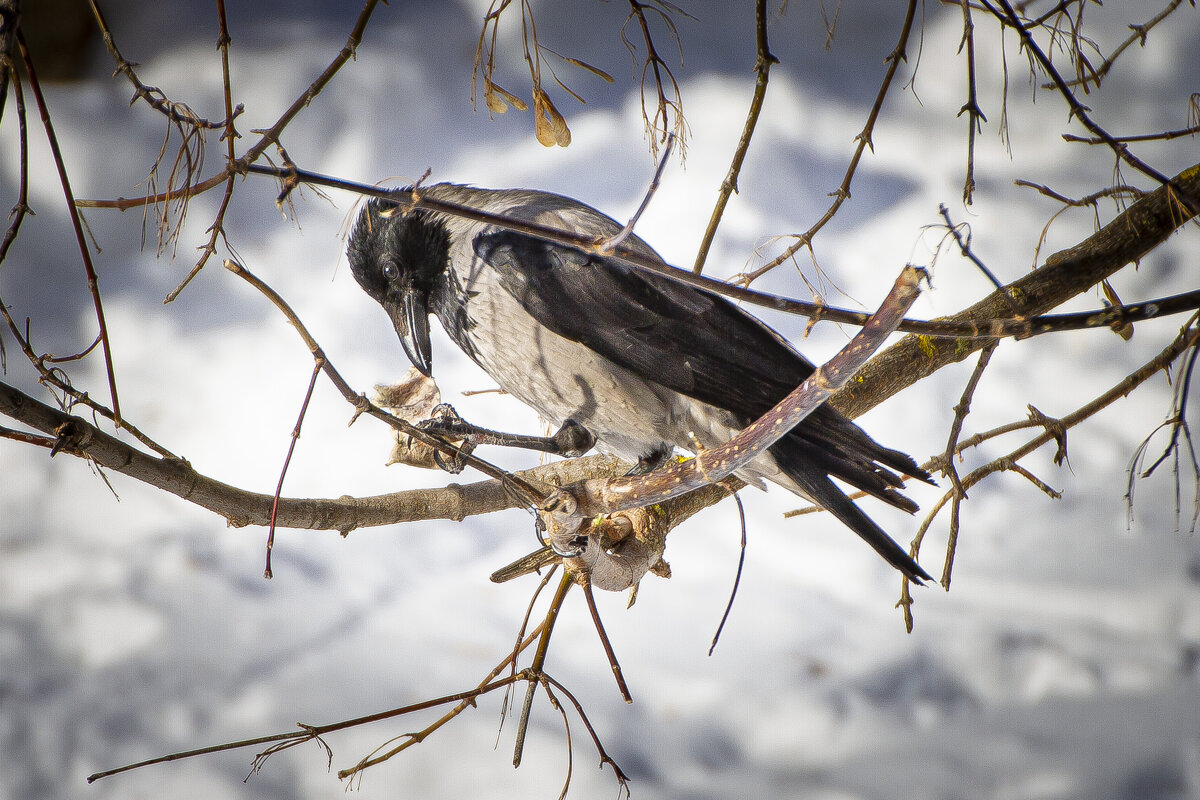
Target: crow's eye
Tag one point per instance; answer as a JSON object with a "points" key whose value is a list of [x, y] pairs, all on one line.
{"points": [[390, 271]]}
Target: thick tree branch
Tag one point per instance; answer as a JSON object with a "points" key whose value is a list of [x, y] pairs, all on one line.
{"points": [[79, 437], [1129, 237]]}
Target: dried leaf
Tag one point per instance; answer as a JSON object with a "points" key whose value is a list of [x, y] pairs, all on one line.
{"points": [[498, 99], [551, 127], [1122, 329], [413, 400], [494, 102], [584, 65]]}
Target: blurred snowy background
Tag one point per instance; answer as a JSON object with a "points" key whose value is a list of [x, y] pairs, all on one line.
{"points": [[1064, 662]]}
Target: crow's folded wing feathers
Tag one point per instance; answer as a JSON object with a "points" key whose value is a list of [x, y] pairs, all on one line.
{"points": [[690, 341], [703, 346]]}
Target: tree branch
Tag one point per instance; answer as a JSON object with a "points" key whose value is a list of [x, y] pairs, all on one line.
{"points": [[1129, 237], [78, 437]]}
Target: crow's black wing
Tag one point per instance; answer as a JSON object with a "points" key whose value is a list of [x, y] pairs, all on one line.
{"points": [[695, 343], [703, 346], [688, 340]]}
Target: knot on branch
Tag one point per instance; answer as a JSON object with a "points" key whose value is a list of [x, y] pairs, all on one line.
{"points": [[612, 552], [71, 437], [1055, 428]]}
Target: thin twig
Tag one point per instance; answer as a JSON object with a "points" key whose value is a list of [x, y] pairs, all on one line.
{"points": [[73, 212], [468, 700], [659, 126], [762, 67], [523, 488], [537, 668], [1138, 37], [229, 136], [842, 193], [318, 363], [1053, 432], [737, 576], [961, 410], [609, 245], [1079, 111], [604, 640], [8, 68], [995, 325], [975, 116]]}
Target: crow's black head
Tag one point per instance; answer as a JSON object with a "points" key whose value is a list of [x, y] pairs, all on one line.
{"points": [[397, 257], [390, 249]]}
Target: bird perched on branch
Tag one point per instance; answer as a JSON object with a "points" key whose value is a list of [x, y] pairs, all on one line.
{"points": [[644, 363]]}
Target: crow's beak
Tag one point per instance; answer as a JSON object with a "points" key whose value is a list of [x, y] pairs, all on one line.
{"points": [[410, 317]]}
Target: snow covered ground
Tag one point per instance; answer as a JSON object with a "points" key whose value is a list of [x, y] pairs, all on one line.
{"points": [[1064, 662]]}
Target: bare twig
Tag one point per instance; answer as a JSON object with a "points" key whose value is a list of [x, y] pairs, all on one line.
{"points": [[1079, 111], [964, 247], [312, 384], [763, 61], [975, 116], [537, 667], [612, 243], [229, 136], [73, 212], [9, 20], [1053, 431], [960, 414], [842, 193], [1138, 37], [668, 115], [737, 577], [233, 167], [530, 494], [1124, 240], [604, 641], [1159, 211], [1180, 437]]}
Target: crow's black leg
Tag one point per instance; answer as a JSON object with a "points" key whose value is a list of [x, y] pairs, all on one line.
{"points": [[572, 439], [652, 460]]}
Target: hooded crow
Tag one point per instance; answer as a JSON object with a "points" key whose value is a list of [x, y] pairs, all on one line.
{"points": [[646, 364]]}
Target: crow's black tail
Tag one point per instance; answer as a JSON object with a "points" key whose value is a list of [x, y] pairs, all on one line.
{"points": [[825, 493]]}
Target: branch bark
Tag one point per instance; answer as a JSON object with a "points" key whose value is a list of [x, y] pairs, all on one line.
{"points": [[1129, 237], [78, 437]]}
